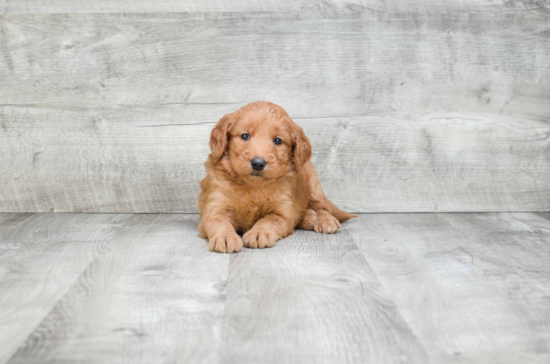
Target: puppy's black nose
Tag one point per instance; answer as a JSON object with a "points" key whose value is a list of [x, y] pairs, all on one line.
{"points": [[258, 163]]}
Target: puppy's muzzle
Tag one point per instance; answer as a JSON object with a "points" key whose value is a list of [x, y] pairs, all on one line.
{"points": [[258, 164]]}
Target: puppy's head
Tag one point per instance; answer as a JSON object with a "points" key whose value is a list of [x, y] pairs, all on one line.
{"points": [[260, 141]]}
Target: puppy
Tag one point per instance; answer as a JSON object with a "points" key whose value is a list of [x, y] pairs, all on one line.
{"points": [[261, 182]]}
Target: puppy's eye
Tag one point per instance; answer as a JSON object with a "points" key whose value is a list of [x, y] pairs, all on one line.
{"points": [[245, 136], [277, 141]]}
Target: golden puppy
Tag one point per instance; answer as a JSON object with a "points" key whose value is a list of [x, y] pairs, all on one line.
{"points": [[261, 182]]}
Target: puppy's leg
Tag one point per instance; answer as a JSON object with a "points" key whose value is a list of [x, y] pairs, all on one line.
{"points": [[308, 220], [325, 223], [267, 231], [221, 234]]}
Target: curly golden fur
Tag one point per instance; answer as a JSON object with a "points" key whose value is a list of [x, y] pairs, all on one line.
{"points": [[264, 205]]}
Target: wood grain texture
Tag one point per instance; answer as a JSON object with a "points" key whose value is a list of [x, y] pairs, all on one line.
{"points": [[474, 288], [107, 160], [157, 295], [312, 299], [82, 6], [315, 64], [403, 288], [414, 111], [41, 257]]}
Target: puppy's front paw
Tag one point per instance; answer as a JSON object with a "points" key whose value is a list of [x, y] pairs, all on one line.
{"points": [[260, 238], [230, 243], [326, 224]]}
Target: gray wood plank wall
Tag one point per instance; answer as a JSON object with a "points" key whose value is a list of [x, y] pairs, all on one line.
{"points": [[410, 106], [103, 6]]}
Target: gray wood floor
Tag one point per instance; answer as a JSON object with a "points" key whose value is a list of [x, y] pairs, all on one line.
{"points": [[388, 288]]}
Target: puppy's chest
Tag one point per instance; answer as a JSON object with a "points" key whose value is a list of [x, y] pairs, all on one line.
{"points": [[252, 205]]}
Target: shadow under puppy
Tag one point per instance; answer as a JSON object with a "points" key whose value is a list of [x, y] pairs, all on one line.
{"points": [[261, 182]]}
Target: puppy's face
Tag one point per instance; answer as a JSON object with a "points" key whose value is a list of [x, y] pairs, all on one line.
{"points": [[260, 141]]}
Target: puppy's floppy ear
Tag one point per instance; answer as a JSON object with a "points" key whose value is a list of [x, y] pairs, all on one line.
{"points": [[302, 148], [220, 136]]}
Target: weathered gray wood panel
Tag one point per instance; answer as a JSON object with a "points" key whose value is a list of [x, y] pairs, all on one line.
{"points": [[474, 288], [157, 295], [444, 111], [108, 159], [312, 299], [125, 6], [314, 64], [41, 257]]}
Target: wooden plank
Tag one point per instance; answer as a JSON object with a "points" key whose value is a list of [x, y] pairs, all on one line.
{"points": [[112, 160], [312, 299], [156, 296], [11, 223], [315, 64], [521, 248], [82, 6], [101, 161], [473, 287], [544, 215], [41, 256]]}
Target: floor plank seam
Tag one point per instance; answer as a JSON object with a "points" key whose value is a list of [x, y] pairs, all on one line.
{"points": [[387, 292], [69, 288], [23, 343], [223, 333]]}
